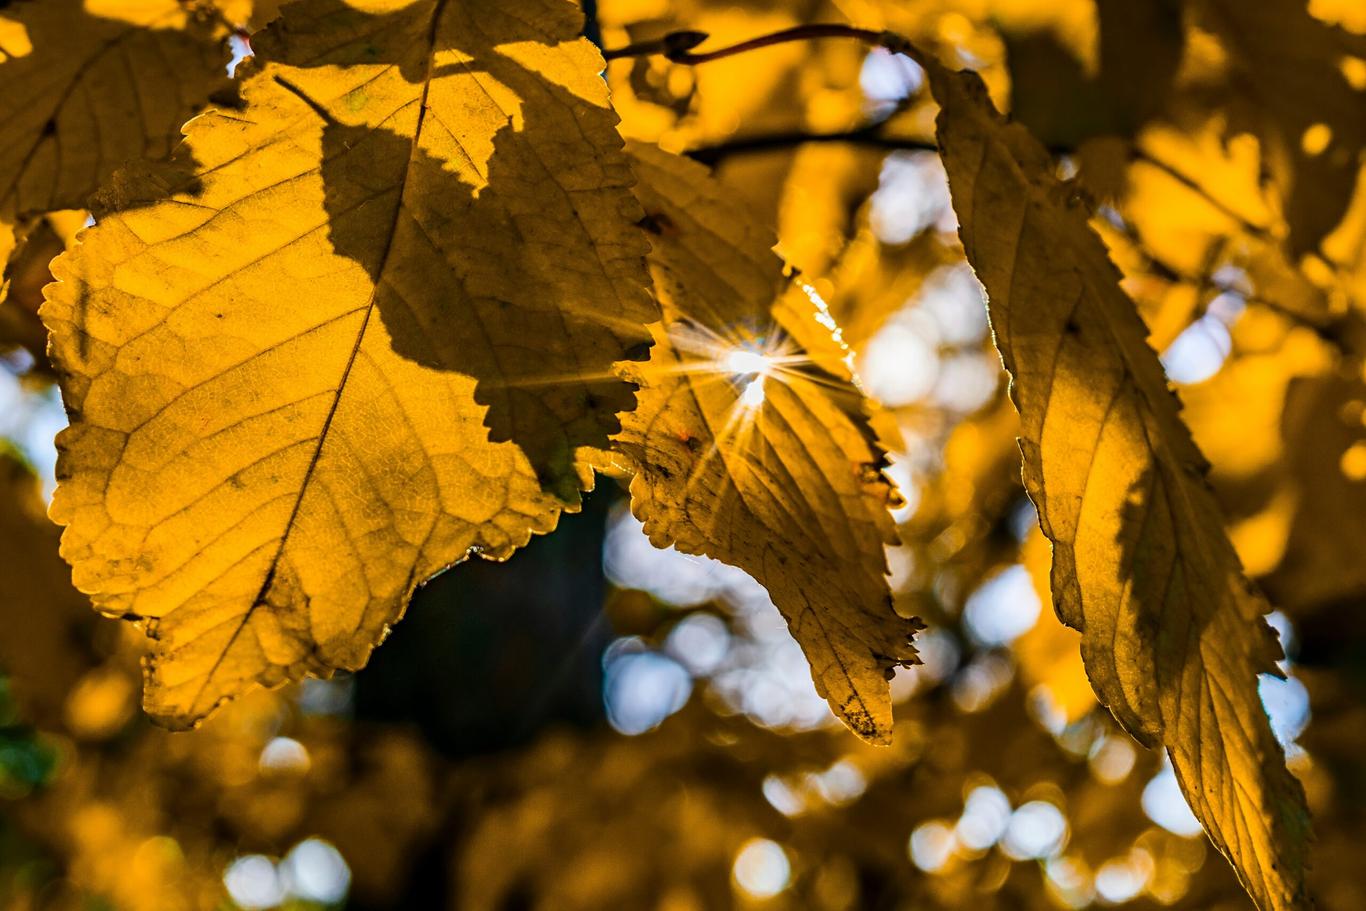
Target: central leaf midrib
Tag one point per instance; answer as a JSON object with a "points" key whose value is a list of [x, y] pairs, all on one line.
{"points": [[269, 578]]}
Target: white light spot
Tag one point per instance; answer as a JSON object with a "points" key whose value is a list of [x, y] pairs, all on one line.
{"points": [[1070, 881], [642, 689], [1198, 352], [978, 684], [284, 754], [631, 561], [1047, 711], [252, 882], [955, 299], [326, 697], [1124, 878], [1112, 759], [699, 642], [743, 361], [966, 381], [841, 784], [902, 476], [1004, 608], [30, 419], [781, 797], [1165, 805], [932, 845], [912, 195], [241, 50], [753, 395], [1287, 704], [761, 868], [1285, 631], [898, 366], [986, 813], [316, 871], [887, 78], [1036, 831], [1201, 349]]}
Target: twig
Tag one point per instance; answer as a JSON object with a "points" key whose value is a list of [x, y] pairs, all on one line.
{"points": [[871, 138], [1194, 186], [677, 47]]}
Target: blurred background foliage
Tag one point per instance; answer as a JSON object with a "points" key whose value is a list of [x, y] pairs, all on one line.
{"points": [[602, 725]]}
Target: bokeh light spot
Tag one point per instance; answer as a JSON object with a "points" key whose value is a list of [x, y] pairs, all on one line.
{"points": [[762, 869], [1353, 462], [641, 689], [1165, 805], [986, 814], [931, 845], [315, 871], [1004, 608], [1036, 830], [284, 754], [253, 882]]}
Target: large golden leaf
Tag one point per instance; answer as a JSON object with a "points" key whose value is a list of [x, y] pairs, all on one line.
{"points": [[752, 445], [359, 338], [1173, 637], [89, 85]]}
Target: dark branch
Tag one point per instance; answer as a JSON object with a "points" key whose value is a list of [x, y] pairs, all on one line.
{"points": [[712, 154], [678, 46]]}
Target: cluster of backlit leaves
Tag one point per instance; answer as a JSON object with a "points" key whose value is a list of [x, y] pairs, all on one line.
{"points": [[445, 187], [1218, 181]]}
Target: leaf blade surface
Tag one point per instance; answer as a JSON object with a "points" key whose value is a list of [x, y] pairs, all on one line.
{"points": [[1173, 636], [357, 338]]}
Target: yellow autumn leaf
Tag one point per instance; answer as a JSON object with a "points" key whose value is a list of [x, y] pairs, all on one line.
{"points": [[357, 338], [1173, 636], [752, 445], [89, 85]]}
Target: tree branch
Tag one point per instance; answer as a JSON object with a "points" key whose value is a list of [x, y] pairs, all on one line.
{"points": [[677, 46], [870, 138]]}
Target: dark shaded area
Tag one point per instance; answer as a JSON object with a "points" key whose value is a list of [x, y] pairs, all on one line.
{"points": [[491, 654], [1140, 49], [1323, 564], [489, 658], [474, 279]]}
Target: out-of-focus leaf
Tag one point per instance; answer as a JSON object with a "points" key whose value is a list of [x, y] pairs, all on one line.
{"points": [[821, 196], [26, 274], [1287, 67], [1140, 47], [767, 462], [42, 655], [872, 281], [280, 373], [1326, 462], [1173, 638]]}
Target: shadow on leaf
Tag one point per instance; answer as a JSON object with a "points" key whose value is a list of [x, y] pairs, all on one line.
{"points": [[510, 265]]}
